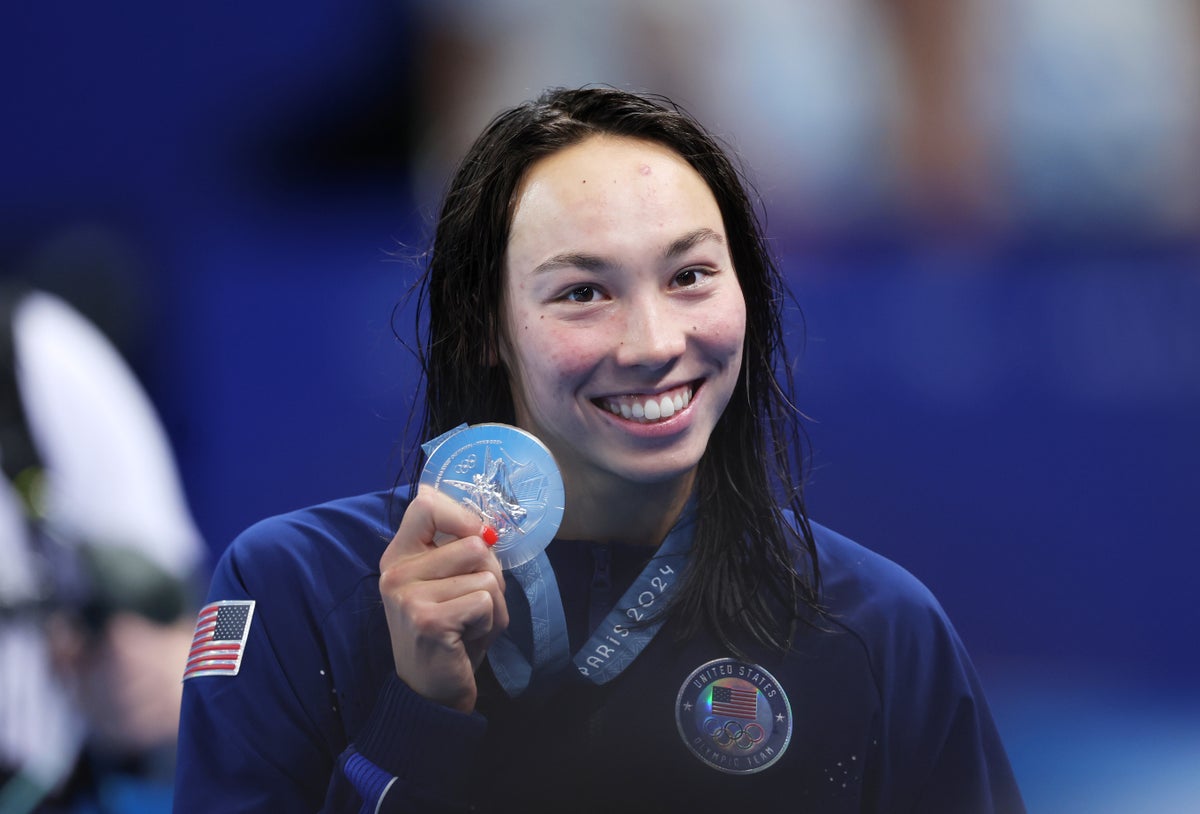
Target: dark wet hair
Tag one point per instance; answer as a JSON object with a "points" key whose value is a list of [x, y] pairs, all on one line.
{"points": [[752, 569]]}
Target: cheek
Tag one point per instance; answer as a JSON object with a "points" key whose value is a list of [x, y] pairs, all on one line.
{"points": [[550, 357], [725, 326]]}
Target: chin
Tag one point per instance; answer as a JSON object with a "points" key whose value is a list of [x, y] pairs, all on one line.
{"points": [[657, 473]]}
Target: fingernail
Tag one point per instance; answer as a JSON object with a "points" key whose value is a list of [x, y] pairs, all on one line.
{"points": [[489, 535]]}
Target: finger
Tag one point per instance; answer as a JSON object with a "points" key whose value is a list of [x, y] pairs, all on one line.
{"points": [[475, 615], [437, 631], [440, 591], [464, 556], [485, 630], [433, 610], [429, 515]]}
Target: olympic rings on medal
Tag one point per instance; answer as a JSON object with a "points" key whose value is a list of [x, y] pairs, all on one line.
{"points": [[724, 732]]}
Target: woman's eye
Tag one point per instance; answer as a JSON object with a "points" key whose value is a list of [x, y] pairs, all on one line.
{"points": [[583, 293], [690, 277]]}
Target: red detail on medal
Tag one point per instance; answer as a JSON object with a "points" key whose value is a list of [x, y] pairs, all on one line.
{"points": [[489, 535]]}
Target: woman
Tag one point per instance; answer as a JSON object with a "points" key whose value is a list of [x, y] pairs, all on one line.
{"points": [[689, 639]]}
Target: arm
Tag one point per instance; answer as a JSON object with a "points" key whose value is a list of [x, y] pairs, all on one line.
{"points": [[443, 594], [269, 738], [392, 772], [946, 749], [260, 739]]}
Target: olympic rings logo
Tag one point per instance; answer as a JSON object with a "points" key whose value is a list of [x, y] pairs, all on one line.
{"points": [[733, 733], [466, 464]]}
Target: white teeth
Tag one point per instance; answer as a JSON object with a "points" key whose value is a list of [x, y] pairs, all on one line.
{"points": [[650, 409]]}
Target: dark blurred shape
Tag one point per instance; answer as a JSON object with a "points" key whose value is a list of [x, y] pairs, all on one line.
{"points": [[120, 580], [100, 272], [360, 134], [351, 126]]}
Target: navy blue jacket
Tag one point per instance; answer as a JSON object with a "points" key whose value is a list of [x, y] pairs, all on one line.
{"points": [[883, 710]]}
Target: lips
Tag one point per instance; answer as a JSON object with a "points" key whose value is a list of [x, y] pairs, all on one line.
{"points": [[649, 408]]}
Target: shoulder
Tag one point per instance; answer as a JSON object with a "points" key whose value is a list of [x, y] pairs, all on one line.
{"points": [[325, 549], [894, 615], [856, 580], [941, 748]]}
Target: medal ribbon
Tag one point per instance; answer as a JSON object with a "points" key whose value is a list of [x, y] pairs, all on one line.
{"points": [[535, 610], [624, 633]]}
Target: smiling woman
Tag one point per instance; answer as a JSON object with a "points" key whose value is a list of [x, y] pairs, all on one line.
{"points": [[620, 299], [689, 640]]}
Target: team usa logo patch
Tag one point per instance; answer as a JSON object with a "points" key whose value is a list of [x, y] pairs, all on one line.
{"points": [[220, 639], [734, 716]]}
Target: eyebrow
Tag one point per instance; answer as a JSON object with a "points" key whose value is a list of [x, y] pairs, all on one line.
{"points": [[692, 239], [592, 262]]}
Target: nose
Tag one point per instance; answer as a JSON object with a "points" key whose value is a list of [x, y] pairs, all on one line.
{"points": [[653, 336]]}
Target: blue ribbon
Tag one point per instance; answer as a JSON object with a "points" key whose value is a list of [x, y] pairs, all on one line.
{"points": [[536, 618], [535, 612]]}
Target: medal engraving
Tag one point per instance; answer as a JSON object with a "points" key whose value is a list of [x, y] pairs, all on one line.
{"points": [[505, 476]]}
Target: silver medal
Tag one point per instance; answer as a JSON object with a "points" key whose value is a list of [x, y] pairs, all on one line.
{"points": [[507, 477]]}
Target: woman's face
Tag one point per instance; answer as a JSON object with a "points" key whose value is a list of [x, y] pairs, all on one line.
{"points": [[623, 317]]}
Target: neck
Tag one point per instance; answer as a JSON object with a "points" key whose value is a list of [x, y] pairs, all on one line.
{"points": [[639, 514]]}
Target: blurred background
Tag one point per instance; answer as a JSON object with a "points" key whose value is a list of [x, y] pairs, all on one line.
{"points": [[989, 213]]}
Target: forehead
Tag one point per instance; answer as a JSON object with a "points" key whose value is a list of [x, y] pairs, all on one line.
{"points": [[611, 186], [606, 157]]}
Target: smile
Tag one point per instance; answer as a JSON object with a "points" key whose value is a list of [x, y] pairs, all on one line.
{"points": [[649, 408]]}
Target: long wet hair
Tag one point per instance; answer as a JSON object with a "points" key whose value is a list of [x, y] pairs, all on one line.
{"points": [[753, 570]]}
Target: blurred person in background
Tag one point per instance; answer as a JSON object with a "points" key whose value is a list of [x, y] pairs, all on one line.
{"points": [[1090, 121], [805, 91], [100, 564], [933, 117]]}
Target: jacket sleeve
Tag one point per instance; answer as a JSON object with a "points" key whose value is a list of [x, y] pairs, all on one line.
{"points": [[947, 753], [393, 772], [270, 737]]}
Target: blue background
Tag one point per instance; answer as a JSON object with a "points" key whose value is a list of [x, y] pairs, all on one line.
{"points": [[1014, 420]]}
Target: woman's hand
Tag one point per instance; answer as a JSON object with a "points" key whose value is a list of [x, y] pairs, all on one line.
{"points": [[443, 591]]}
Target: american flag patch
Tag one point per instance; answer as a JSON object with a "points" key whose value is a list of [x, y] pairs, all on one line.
{"points": [[220, 640], [735, 702]]}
